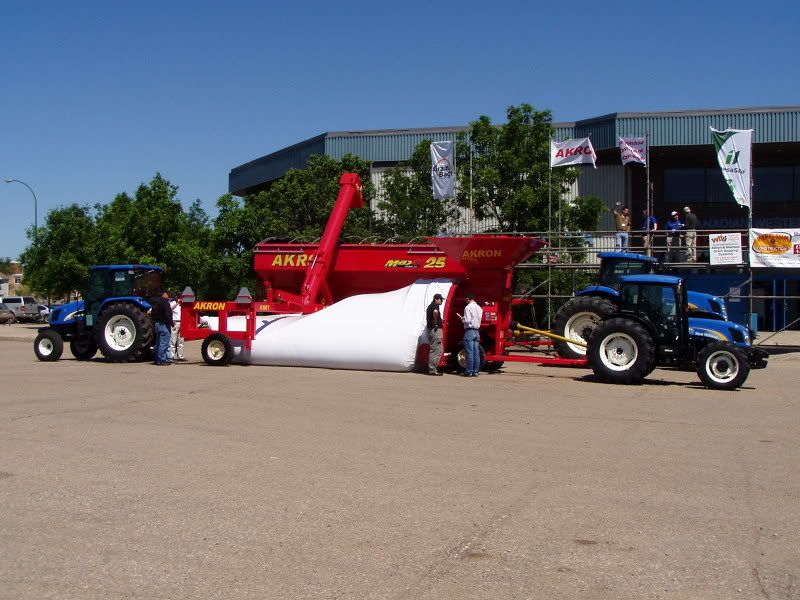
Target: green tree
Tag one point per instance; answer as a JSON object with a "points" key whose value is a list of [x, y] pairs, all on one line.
{"points": [[407, 207], [57, 263], [511, 175], [5, 264]]}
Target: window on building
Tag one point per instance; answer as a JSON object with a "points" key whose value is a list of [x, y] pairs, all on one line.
{"points": [[684, 186], [773, 184]]}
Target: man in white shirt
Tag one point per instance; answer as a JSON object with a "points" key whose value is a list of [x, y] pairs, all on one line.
{"points": [[175, 351], [472, 324]]}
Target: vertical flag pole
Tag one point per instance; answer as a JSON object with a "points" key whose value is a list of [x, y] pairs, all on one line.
{"points": [[749, 227], [549, 229], [651, 236], [471, 218]]}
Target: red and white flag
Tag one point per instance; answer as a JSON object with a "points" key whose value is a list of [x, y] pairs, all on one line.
{"points": [[633, 149], [572, 152]]}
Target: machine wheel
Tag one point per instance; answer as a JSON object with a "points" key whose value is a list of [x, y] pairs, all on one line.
{"points": [[48, 346], [217, 350], [722, 366], [576, 320], [123, 332], [621, 351], [83, 347], [461, 360]]}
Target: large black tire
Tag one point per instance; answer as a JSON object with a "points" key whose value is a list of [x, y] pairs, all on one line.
{"points": [[123, 332], [83, 347], [461, 359], [576, 320], [48, 346], [722, 366], [217, 350], [621, 351]]}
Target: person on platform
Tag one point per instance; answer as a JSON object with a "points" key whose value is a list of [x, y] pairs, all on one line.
{"points": [[690, 223], [622, 218], [473, 314], [649, 225], [433, 319], [673, 227]]}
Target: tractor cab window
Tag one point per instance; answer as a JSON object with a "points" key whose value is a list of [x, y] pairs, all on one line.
{"points": [[147, 284], [99, 284], [658, 304], [616, 268]]}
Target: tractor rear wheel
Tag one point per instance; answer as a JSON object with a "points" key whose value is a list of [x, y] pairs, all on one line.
{"points": [[124, 332], [217, 350], [48, 346], [722, 366], [621, 351], [576, 320], [83, 347]]}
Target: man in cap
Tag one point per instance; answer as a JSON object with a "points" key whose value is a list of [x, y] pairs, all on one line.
{"points": [[649, 225], [473, 314], [433, 318], [690, 222], [674, 227]]}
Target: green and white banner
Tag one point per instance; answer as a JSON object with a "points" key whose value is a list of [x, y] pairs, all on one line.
{"points": [[733, 148]]}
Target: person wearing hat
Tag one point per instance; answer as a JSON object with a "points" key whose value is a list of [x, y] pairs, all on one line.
{"points": [[649, 225], [690, 222], [433, 319], [473, 314], [674, 227]]}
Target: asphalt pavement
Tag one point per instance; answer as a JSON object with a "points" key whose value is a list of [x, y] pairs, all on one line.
{"points": [[131, 481]]}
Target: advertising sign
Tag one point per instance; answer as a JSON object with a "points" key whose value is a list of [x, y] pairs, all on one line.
{"points": [[725, 248], [775, 248], [633, 149], [572, 152], [734, 148], [443, 175]]}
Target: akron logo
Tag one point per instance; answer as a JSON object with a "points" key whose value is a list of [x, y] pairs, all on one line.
{"points": [[443, 169]]}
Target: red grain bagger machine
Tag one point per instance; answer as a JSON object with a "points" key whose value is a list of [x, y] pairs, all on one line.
{"points": [[304, 278]]}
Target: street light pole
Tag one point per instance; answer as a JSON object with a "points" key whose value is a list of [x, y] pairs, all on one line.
{"points": [[35, 207]]}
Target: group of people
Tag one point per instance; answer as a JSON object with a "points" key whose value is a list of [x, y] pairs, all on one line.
{"points": [[678, 233], [166, 315], [471, 319]]}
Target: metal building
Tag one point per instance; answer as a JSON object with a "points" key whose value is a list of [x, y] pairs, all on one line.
{"points": [[683, 171]]}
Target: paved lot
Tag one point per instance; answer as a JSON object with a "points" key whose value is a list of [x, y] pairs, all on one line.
{"points": [[134, 481]]}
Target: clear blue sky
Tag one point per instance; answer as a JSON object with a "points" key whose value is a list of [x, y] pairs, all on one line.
{"points": [[98, 96]]}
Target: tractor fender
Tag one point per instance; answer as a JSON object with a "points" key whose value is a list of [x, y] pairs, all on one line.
{"points": [[599, 290]]}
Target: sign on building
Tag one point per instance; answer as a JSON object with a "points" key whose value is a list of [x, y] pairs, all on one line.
{"points": [[725, 248], [775, 248]]}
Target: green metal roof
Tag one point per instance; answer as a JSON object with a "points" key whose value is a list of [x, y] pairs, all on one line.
{"points": [[679, 128]]}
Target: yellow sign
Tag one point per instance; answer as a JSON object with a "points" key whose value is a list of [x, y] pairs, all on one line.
{"points": [[291, 260], [773, 243], [209, 305], [476, 254]]}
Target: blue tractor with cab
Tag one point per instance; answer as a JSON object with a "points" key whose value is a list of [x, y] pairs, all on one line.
{"points": [[651, 327], [112, 317], [579, 316]]}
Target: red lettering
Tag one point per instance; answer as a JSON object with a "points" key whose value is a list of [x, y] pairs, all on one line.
{"points": [[560, 153]]}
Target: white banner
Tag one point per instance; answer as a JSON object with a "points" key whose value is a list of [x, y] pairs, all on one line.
{"points": [[775, 248], [572, 152], [633, 149], [733, 148], [725, 248], [443, 172]]}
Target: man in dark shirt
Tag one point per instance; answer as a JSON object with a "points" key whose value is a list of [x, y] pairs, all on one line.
{"points": [[433, 321], [673, 227], [162, 319], [690, 223]]}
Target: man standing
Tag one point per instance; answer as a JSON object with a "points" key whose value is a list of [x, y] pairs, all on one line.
{"points": [[649, 225], [472, 324], [690, 222], [623, 221], [162, 318], [433, 318], [673, 228], [175, 351]]}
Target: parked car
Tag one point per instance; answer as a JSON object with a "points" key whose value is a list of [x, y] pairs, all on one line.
{"points": [[44, 313], [25, 308], [7, 315]]}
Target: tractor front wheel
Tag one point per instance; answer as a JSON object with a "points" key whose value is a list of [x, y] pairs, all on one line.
{"points": [[576, 320], [83, 347], [217, 350], [621, 351], [48, 346], [722, 366], [124, 332]]}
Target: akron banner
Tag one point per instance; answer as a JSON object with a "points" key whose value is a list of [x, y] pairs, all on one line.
{"points": [[775, 248], [572, 152]]}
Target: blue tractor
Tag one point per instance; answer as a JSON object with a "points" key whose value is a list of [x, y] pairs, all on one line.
{"points": [[651, 327], [579, 316], [112, 317]]}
